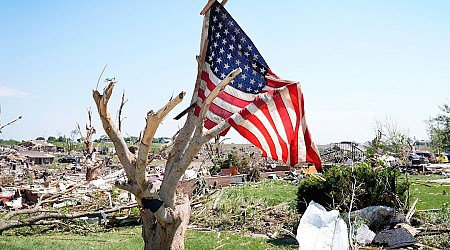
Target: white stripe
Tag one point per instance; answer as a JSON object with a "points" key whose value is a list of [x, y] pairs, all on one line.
{"points": [[238, 119], [213, 117], [302, 129]]}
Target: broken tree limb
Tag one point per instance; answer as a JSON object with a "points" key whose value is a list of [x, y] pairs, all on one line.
{"points": [[153, 122], [208, 135], [119, 116], [184, 112], [127, 186], [9, 123], [100, 76], [91, 164], [125, 156], [216, 130], [186, 131]]}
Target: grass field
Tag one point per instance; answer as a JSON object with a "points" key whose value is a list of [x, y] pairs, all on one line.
{"points": [[130, 239], [431, 195]]}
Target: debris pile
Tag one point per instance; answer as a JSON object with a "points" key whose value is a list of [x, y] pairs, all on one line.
{"points": [[34, 194]]}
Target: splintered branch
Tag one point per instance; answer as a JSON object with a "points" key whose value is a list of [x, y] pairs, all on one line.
{"points": [[100, 76], [9, 123], [153, 122], [122, 103], [101, 100]]}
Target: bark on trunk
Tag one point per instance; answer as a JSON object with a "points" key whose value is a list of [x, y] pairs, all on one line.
{"points": [[162, 236]]}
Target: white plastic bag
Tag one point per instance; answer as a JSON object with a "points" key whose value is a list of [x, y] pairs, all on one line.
{"points": [[319, 229]]}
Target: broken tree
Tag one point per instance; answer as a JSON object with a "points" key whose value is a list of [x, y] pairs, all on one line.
{"points": [[165, 214], [93, 166]]}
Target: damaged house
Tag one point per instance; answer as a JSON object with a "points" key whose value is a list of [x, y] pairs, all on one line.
{"points": [[37, 157], [39, 145]]}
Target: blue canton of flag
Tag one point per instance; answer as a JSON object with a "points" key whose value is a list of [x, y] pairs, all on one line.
{"points": [[230, 48]]}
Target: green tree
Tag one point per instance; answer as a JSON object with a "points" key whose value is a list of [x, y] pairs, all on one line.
{"points": [[40, 138], [51, 139], [439, 129]]}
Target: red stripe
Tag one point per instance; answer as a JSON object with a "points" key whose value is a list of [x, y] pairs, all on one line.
{"points": [[219, 111], [276, 84], [209, 124], [247, 134], [197, 110], [201, 94], [271, 73], [311, 154]]}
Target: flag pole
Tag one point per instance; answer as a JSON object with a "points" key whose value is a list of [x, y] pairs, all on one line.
{"points": [[207, 7], [204, 41], [200, 58]]}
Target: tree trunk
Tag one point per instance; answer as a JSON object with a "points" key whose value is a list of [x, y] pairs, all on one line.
{"points": [[161, 236]]}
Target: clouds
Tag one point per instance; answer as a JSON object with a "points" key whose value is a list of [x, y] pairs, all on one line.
{"points": [[11, 92]]}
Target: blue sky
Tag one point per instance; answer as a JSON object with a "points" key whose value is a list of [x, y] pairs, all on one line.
{"points": [[358, 61]]}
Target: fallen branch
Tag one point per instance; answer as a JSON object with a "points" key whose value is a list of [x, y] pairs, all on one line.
{"points": [[33, 220]]}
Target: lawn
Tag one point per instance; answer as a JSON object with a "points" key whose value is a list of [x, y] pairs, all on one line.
{"points": [[431, 195], [130, 238]]}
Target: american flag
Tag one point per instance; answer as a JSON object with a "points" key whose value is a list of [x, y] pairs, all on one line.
{"points": [[263, 108]]}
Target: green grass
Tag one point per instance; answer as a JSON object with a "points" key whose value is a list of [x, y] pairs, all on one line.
{"points": [[272, 192], [431, 195], [197, 240], [130, 238], [114, 239]]}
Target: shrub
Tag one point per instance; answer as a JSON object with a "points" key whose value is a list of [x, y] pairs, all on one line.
{"points": [[334, 191]]}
